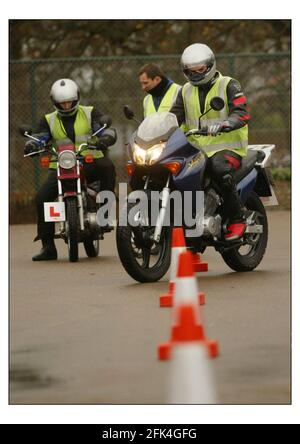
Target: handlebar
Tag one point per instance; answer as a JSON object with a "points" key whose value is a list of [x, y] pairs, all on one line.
{"points": [[203, 132], [34, 153], [48, 148], [196, 132]]}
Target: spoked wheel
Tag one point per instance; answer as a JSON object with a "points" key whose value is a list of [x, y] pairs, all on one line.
{"points": [[144, 260], [248, 256], [72, 228], [91, 247]]}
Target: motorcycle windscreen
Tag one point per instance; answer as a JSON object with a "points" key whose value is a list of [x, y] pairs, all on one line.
{"points": [[156, 128]]}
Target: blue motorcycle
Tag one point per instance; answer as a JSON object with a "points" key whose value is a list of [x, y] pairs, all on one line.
{"points": [[163, 160]]}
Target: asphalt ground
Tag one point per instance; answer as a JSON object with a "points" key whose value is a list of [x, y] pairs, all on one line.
{"points": [[86, 333]]}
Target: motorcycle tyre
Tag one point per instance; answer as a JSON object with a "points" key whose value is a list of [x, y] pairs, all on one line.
{"points": [[238, 262], [72, 219], [126, 255]]}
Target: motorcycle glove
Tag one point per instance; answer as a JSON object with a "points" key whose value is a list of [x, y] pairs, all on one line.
{"points": [[214, 129], [107, 139], [31, 146], [97, 143], [103, 142], [227, 126]]}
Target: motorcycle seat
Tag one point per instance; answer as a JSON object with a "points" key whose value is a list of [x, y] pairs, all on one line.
{"points": [[248, 163]]}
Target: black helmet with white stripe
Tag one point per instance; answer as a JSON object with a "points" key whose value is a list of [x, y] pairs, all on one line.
{"points": [[65, 90], [198, 64]]}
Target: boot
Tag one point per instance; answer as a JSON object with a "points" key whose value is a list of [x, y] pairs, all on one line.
{"points": [[47, 253], [237, 221]]}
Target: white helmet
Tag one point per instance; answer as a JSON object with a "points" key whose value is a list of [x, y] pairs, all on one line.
{"points": [[65, 90], [198, 55]]}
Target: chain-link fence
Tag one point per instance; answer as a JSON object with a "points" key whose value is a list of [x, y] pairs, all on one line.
{"points": [[110, 82]]}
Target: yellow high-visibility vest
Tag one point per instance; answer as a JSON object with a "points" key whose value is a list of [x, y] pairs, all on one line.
{"points": [[236, 140], [166, 103], [82, 129]]}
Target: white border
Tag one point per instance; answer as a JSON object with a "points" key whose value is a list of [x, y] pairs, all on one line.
{"points": [[149, 414]]}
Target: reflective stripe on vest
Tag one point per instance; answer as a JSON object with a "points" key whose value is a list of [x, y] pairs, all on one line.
{"points": [[236, 140], [166, 103], [82, 129]]}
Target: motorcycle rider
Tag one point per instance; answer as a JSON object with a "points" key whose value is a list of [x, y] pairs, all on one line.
{"points": [[69, 123], [161, 91], [225, 150]]}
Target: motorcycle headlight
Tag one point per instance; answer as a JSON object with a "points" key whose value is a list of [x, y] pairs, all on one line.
{"points": [[147, 157], [139, 155], [67, 159]]}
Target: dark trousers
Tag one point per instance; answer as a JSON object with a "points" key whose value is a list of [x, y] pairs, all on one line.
{"points": [[101, 169], [222, 167]]}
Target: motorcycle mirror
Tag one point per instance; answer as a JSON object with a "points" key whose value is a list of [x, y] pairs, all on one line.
{"points": [[25, 129], [129, 114], [217, 103], [105, 120]]}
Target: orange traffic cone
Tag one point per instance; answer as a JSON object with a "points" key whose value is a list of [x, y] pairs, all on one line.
{"points": [[199, 266], [191, 379], [187, 324], [178, 246]]}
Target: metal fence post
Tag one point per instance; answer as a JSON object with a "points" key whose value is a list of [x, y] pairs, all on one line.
{"points": [[33, 95]]}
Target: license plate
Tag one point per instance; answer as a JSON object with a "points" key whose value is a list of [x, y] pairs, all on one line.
{"points": [[54, 211]]}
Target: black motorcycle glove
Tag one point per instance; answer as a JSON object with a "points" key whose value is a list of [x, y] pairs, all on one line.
{"points": [[31, 146], [109, 137], [97, 143], [102, 143]]}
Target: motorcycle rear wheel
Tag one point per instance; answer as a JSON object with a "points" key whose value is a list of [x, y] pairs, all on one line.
{"points": [[136, 257], [235, 258], [72, 230]]}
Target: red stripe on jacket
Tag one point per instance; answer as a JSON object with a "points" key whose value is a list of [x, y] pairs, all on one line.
{"points": [[239, 100], [244, 118]]}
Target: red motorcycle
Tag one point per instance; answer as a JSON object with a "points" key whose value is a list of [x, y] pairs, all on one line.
{"points": [[77, 204]]}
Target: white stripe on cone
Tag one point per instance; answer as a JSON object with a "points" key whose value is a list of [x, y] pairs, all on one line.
{"points": [[175, 252], [186, 291], [191, 376]]}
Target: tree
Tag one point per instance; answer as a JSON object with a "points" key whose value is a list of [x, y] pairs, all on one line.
{"points": [[33, 39]]}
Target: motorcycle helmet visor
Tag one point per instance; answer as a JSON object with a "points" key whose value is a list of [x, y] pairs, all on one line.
{"points": [[197, 73], [66, 107]]}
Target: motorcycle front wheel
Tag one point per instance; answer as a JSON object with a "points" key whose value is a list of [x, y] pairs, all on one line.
{"points": [[249, 256], [72, 228], [143, 260]]}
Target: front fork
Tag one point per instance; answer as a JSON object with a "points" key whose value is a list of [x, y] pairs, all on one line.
{"points": [[162, 213], [79, 199]]}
